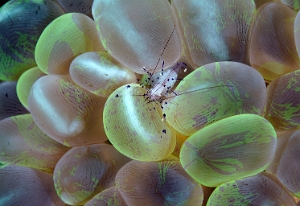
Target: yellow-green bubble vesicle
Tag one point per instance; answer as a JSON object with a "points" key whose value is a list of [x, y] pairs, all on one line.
{"points": [[25, 83], [66, 37], [232, 148], [134, 127], [212, 92]]}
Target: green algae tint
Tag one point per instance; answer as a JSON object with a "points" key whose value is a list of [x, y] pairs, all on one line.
{"points": [[261, 189], [232, 148], [282, 107], [22, 23], [135, 127]]}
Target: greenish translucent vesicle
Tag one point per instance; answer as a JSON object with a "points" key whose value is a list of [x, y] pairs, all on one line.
{"points": [[212, 92], [65, 38], [135, 127], [282, 106], [25, 83], [232, 148]]}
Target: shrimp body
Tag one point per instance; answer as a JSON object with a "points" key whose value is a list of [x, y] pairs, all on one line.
{"points": [[163, 83]]}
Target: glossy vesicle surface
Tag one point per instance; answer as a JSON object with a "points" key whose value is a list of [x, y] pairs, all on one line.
{"points": [[272, 49], [157, 183], [99, 73], [261, 189], [214, 30], [282, 108], [23, 143], [27, 186], [213, 92], [25, 83], [210, 117], [85, 171], [134, 127], [65, 38], [232, 148], [287, 170], [110, 196], [66, 112], [136, 32]]}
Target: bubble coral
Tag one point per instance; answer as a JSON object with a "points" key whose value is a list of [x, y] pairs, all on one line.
{"points": [[136, 37], [282, 108], [157, 183], [59, 44], [85, 171], [272, 49], [25, 83], [66, 112], [110, 196], [286, 172], [22, 23], [23, 143], [213, 92], [220, 137], [214, 30], [231, 148], [27, 186], [10, 104], [99, 73], [261, 189], [138, 135]]}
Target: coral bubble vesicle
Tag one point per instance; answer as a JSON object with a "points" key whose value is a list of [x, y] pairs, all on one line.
{"points": [[22, 23], [66, 112], [25, 83], [135, 32], [272, 50], [85, 171], [282, 107], [10, 104], [99, 73], [27, 186], [289, 163], [232, 148], [63, 39], [110, 197], [23, 143], [215, 30], [261, 189], [134, 127], [212, 92], [158, 183]]}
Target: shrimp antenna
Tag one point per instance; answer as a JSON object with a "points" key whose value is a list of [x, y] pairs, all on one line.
{"points": [[162, 52]]}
